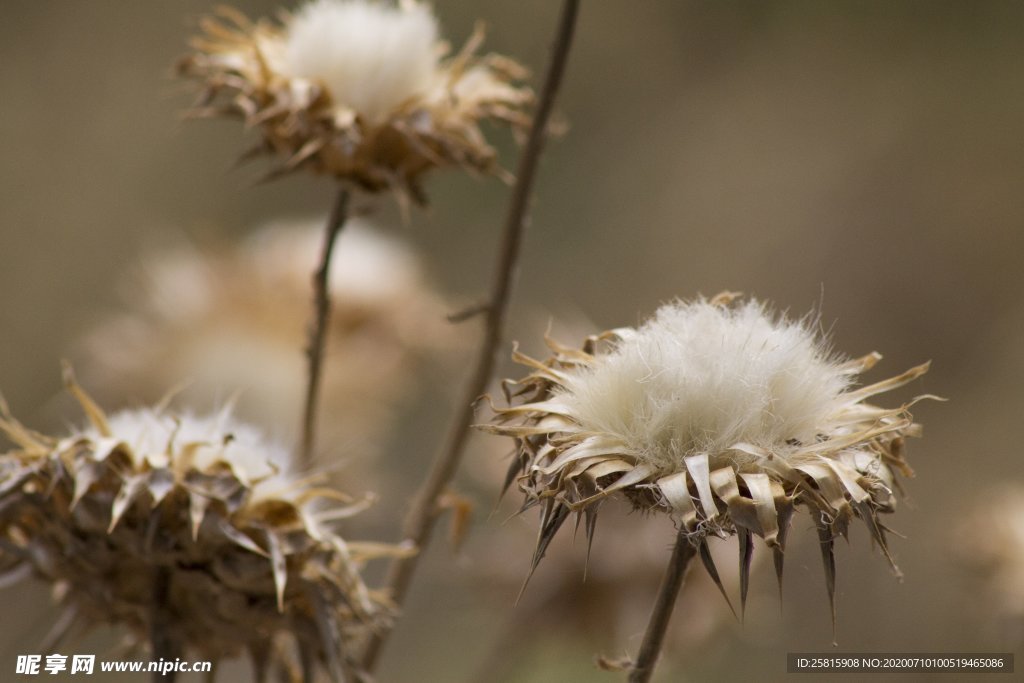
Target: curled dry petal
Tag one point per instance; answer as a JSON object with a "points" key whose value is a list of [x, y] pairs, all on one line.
{"points": [[203, 504], [718, 413]]}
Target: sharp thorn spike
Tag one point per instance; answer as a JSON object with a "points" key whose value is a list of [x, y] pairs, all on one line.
{"points": [[746, 556], [712, 570]]}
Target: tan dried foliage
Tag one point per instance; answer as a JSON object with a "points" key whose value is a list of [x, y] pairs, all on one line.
{"points": [[237, 64], [848, 471], [221, 563]]}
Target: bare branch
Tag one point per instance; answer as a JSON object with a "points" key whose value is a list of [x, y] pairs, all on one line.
{"points": [[422, 517], [318, 326]]}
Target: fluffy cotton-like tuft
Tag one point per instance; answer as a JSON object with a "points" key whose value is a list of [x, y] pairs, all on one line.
{"points": [[363, 91], [156, 438], [193, 521], [722, 414], [700, 378], [370, 56]]}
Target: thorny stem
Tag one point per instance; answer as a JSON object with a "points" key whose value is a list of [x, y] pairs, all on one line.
{"points": [[422, 517], [647, 658], [318, 326]]}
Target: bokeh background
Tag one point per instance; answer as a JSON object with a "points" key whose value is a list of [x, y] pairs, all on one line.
{"points": [[863, 158]]}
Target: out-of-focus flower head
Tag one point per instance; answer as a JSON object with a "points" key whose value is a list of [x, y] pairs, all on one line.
{"points": [[990, 541], [191, 524], [723, 415], [357, 89], [235, 319]]}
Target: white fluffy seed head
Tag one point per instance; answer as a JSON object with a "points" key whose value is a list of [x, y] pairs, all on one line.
{"points": [[370, 56], [699, 377], [159, 438]]}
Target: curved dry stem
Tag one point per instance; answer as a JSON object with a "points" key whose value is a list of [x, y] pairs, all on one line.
{"points": [[318, 326], [682, 553], [421, 519]]}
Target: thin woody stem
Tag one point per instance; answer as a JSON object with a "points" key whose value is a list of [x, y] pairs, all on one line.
{"points": [[164, 648], [318, 327], [650, 648], [421, 519]]}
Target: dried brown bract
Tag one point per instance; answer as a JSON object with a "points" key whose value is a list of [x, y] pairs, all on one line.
{"points": [[724, 416], [358, 90], [191, 527]]}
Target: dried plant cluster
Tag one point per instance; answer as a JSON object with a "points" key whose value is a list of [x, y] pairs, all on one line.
{"points": [[596, 592], [191, 526], [204, 539], [720, 414], [211, 317], [358, 90]]}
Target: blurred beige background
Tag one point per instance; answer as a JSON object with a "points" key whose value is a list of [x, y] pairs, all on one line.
{"points": [[864, 157]]}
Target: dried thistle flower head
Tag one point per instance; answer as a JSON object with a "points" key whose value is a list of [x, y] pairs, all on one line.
{"points": [[190, 524], [725, 416], [357, 89], [214, 317], [603, 599]]}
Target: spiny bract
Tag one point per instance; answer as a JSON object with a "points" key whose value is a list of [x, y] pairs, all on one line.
{"points": [[723, 415], [357, 89], [192, 525]]}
